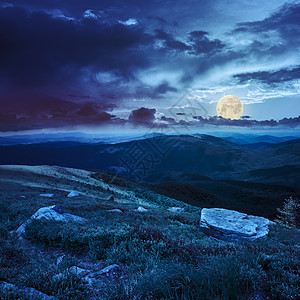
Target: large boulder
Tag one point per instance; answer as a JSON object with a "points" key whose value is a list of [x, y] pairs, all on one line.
{"points": [[232, 225], [54, 213]]}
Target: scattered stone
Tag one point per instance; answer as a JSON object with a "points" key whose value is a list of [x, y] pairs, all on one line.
{"points": [[110, 272], [25, 291], [73, 194], [73, 270], [50, 213], [78, 271], [110, 269], [116, 210], [46, 195], [141, 209], [232, 225], [176, 209], [23, 196], [60, 259]]}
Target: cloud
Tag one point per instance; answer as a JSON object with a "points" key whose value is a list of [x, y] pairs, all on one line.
{"points": [[284, 23], [279, 76], [53, 112], [201, 44], [284, 20], [142, 116], [41, 48], [80, 60], [220, 122], [170, 41], [129, 22]]}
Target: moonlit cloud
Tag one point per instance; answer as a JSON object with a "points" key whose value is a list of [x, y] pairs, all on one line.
{"points": [[129, 22], [123, 60]]}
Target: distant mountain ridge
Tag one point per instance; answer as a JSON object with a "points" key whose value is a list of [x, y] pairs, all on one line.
{"points": [[203, 155]]}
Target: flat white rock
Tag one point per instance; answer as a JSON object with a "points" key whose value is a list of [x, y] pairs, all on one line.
{"points": [[232, 225]]}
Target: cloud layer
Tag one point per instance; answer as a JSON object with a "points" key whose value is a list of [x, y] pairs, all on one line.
{"points": [[66, 63]]}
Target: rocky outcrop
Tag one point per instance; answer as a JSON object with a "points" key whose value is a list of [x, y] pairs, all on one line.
{"points": [[26, 292], [54, 213], [232, 225]]}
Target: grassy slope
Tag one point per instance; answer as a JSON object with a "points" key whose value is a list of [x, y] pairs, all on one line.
{"points": [[162, 254]]}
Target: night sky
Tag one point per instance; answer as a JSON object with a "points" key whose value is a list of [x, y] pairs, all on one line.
{"points": [[98, 65]]}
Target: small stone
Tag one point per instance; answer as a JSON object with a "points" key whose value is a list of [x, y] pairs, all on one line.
{"points": [[176, 209], [46, 195], [111, 271], [60, 259], [73, 194], [141, 209], [115, 210], [73, 270], [78, 271]]}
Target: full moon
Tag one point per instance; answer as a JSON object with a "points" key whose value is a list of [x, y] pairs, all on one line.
{"points": [[230, 107]]}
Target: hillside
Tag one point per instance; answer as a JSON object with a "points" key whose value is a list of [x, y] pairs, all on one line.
{"points": [[201, 170], [195, 155], [152, 254]]}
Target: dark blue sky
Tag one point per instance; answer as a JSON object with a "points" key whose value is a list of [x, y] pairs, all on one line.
{"points": [[95, 65]]}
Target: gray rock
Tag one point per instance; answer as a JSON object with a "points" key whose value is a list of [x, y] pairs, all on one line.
{"points": [[141, 209], [46, 195], [89, 277], [110, 269], [73, 194], [60, 259], [116, 210], [25, 291], [110, 272], [78, 271], [72, 270], [50, 213], [176, 209], [231, 225]]}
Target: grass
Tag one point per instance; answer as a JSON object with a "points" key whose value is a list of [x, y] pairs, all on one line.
{"points": [[162, 254], [162, 261]]}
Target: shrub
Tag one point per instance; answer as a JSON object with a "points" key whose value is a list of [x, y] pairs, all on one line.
{"points": [[288, 215]]}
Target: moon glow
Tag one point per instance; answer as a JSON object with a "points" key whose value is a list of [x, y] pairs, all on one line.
{"points": [[230, 107]]}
